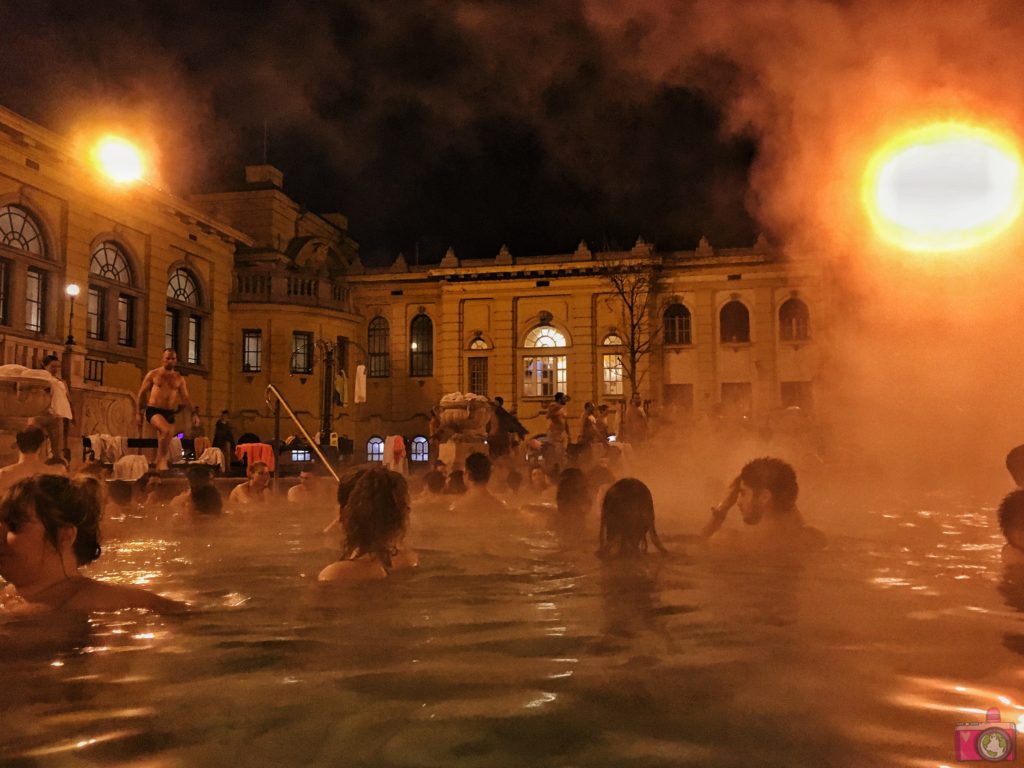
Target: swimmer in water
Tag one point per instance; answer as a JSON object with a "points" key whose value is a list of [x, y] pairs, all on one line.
{"points": [[627, 520], [1011, 521], [478, 497], [374, 515], [253, 490], [1015, 465], [49, 528], [766, 491]]}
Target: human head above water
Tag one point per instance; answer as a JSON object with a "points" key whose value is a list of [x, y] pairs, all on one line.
{"points": [[30, 440], [68, 508], [627, 519], [773, 483], [376, 513], [206, 499], [258, 473], [1015, 463], [478, 468]]}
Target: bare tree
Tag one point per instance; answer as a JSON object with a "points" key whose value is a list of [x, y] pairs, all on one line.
{"points": [[634, 285]]}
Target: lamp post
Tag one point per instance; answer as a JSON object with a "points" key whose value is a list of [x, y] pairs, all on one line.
{"points": [[72, 291]]}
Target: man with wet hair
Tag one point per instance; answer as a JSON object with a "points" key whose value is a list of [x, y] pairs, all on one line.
{"points": [[766, 491], [30, 442], [478, 497], [1015, 464]]}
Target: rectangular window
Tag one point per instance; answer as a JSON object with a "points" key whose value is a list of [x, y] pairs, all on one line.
{"points": [[478, 375], [737, 400], [302, 352], [195, 335], [35, 300], [4, 288], [252, 350], [126, 321], [613, 374], [341, 355], [543, 376], [679, 397], [797, 394], [94, 370], [94, 312], [171, 329]]}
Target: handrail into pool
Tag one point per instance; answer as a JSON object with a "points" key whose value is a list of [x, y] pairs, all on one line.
{"points": [[278, 402]]}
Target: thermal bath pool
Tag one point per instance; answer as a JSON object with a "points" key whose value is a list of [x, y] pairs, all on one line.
{"points": [[513, 646]]}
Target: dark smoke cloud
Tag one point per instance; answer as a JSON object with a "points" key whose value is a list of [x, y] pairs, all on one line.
{"points": [[427, 122]]}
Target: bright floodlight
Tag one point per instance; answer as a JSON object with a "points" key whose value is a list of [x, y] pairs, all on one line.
{"points": [[119, 159], [71, 289], [944, 187]]}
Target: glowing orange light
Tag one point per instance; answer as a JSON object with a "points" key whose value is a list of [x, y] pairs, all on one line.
{"points": [[118, 159], [944, 187]]}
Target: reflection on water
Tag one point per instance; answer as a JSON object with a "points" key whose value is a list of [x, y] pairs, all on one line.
{"points": [[513, 645]]}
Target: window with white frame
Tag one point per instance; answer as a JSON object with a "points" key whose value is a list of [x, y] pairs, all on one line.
{"points": [[25, 272], [677, 325], [185, 317], [612, 368], [375, 449], [302, 352], [252, 350], [794, 321], [544, 374], [35, 300]]}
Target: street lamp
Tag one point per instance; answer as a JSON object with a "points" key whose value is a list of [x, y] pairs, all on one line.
{"points": [[71, 290]]}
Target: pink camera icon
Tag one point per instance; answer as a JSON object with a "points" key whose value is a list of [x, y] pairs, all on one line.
{"points": [[991, 741]]}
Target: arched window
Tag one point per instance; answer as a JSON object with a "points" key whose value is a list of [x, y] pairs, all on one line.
{"points": [[375, 449], [421, 346], [613, 370], [378, 339], [543, 375], [111, 306], [185, 319], [419, 451], [24, 263], [19, 231], [734, 322], [479, 344], [677, 325], [794, 321]]}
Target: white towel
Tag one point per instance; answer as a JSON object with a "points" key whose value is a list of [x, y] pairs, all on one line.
{"points": [[213, 456], [359, 394], [176, 455]]}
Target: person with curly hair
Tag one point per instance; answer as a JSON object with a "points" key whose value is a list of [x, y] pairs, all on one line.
{"points": [[373, 512], [49, 528]]}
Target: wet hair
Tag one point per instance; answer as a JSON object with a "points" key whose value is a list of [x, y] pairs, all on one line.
{"points": [[559, 397], [120, 491], [627, 519], [198, 474], [514, 480], [206, 500], [456, 484], [30, 440], [775, 476], [574, 494], [58, 502], [1015, 463], [434, 481], [50, 359], [478, 468], [376, 514], [348, 481], [255, 467]]}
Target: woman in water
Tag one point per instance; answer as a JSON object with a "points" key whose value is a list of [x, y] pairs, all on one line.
{"points": [[374, 516], [49, 528], [627, 520]]}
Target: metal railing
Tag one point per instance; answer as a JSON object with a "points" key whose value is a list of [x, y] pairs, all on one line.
{"points": [[278, 403]]}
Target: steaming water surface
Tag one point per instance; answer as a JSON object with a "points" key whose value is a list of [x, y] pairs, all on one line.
{"points": [[513, 645]]}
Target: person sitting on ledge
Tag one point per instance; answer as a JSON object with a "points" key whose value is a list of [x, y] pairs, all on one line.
{"points": [[374, 515], [766, 491], [253, 490], [49, 528]]}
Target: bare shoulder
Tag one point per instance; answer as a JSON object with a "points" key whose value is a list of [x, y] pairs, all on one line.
{"points": [[353, 571], [101, 596]]}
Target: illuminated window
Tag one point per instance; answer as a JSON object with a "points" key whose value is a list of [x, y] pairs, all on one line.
{"points": [[195, 336], [794, 321], [108, 261], [302, 352], [378, 341], [126, 321], [421, 346], [110, 275], [419, 451], [612, 368], [19, 231], [35, 300], [375, 449], [252, 350], [544, 375], [478, 343], [185, 318], [96, 305], [171, 329], [677, 325], [734, 322], [182, 288]]}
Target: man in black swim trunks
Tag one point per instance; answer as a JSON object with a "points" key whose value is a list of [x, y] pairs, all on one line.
{"points": [[164, 389]]}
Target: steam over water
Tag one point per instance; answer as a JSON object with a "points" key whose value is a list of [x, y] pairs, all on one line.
{"points": [[513, 645]]}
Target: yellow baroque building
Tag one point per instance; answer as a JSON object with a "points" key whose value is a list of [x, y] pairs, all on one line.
{"points": [[252, 289]]}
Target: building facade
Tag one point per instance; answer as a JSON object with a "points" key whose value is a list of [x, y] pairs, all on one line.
{"points": [[252, 289]]}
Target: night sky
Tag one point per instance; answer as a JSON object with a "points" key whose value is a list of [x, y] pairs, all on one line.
{"points": [[428, 123]]}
